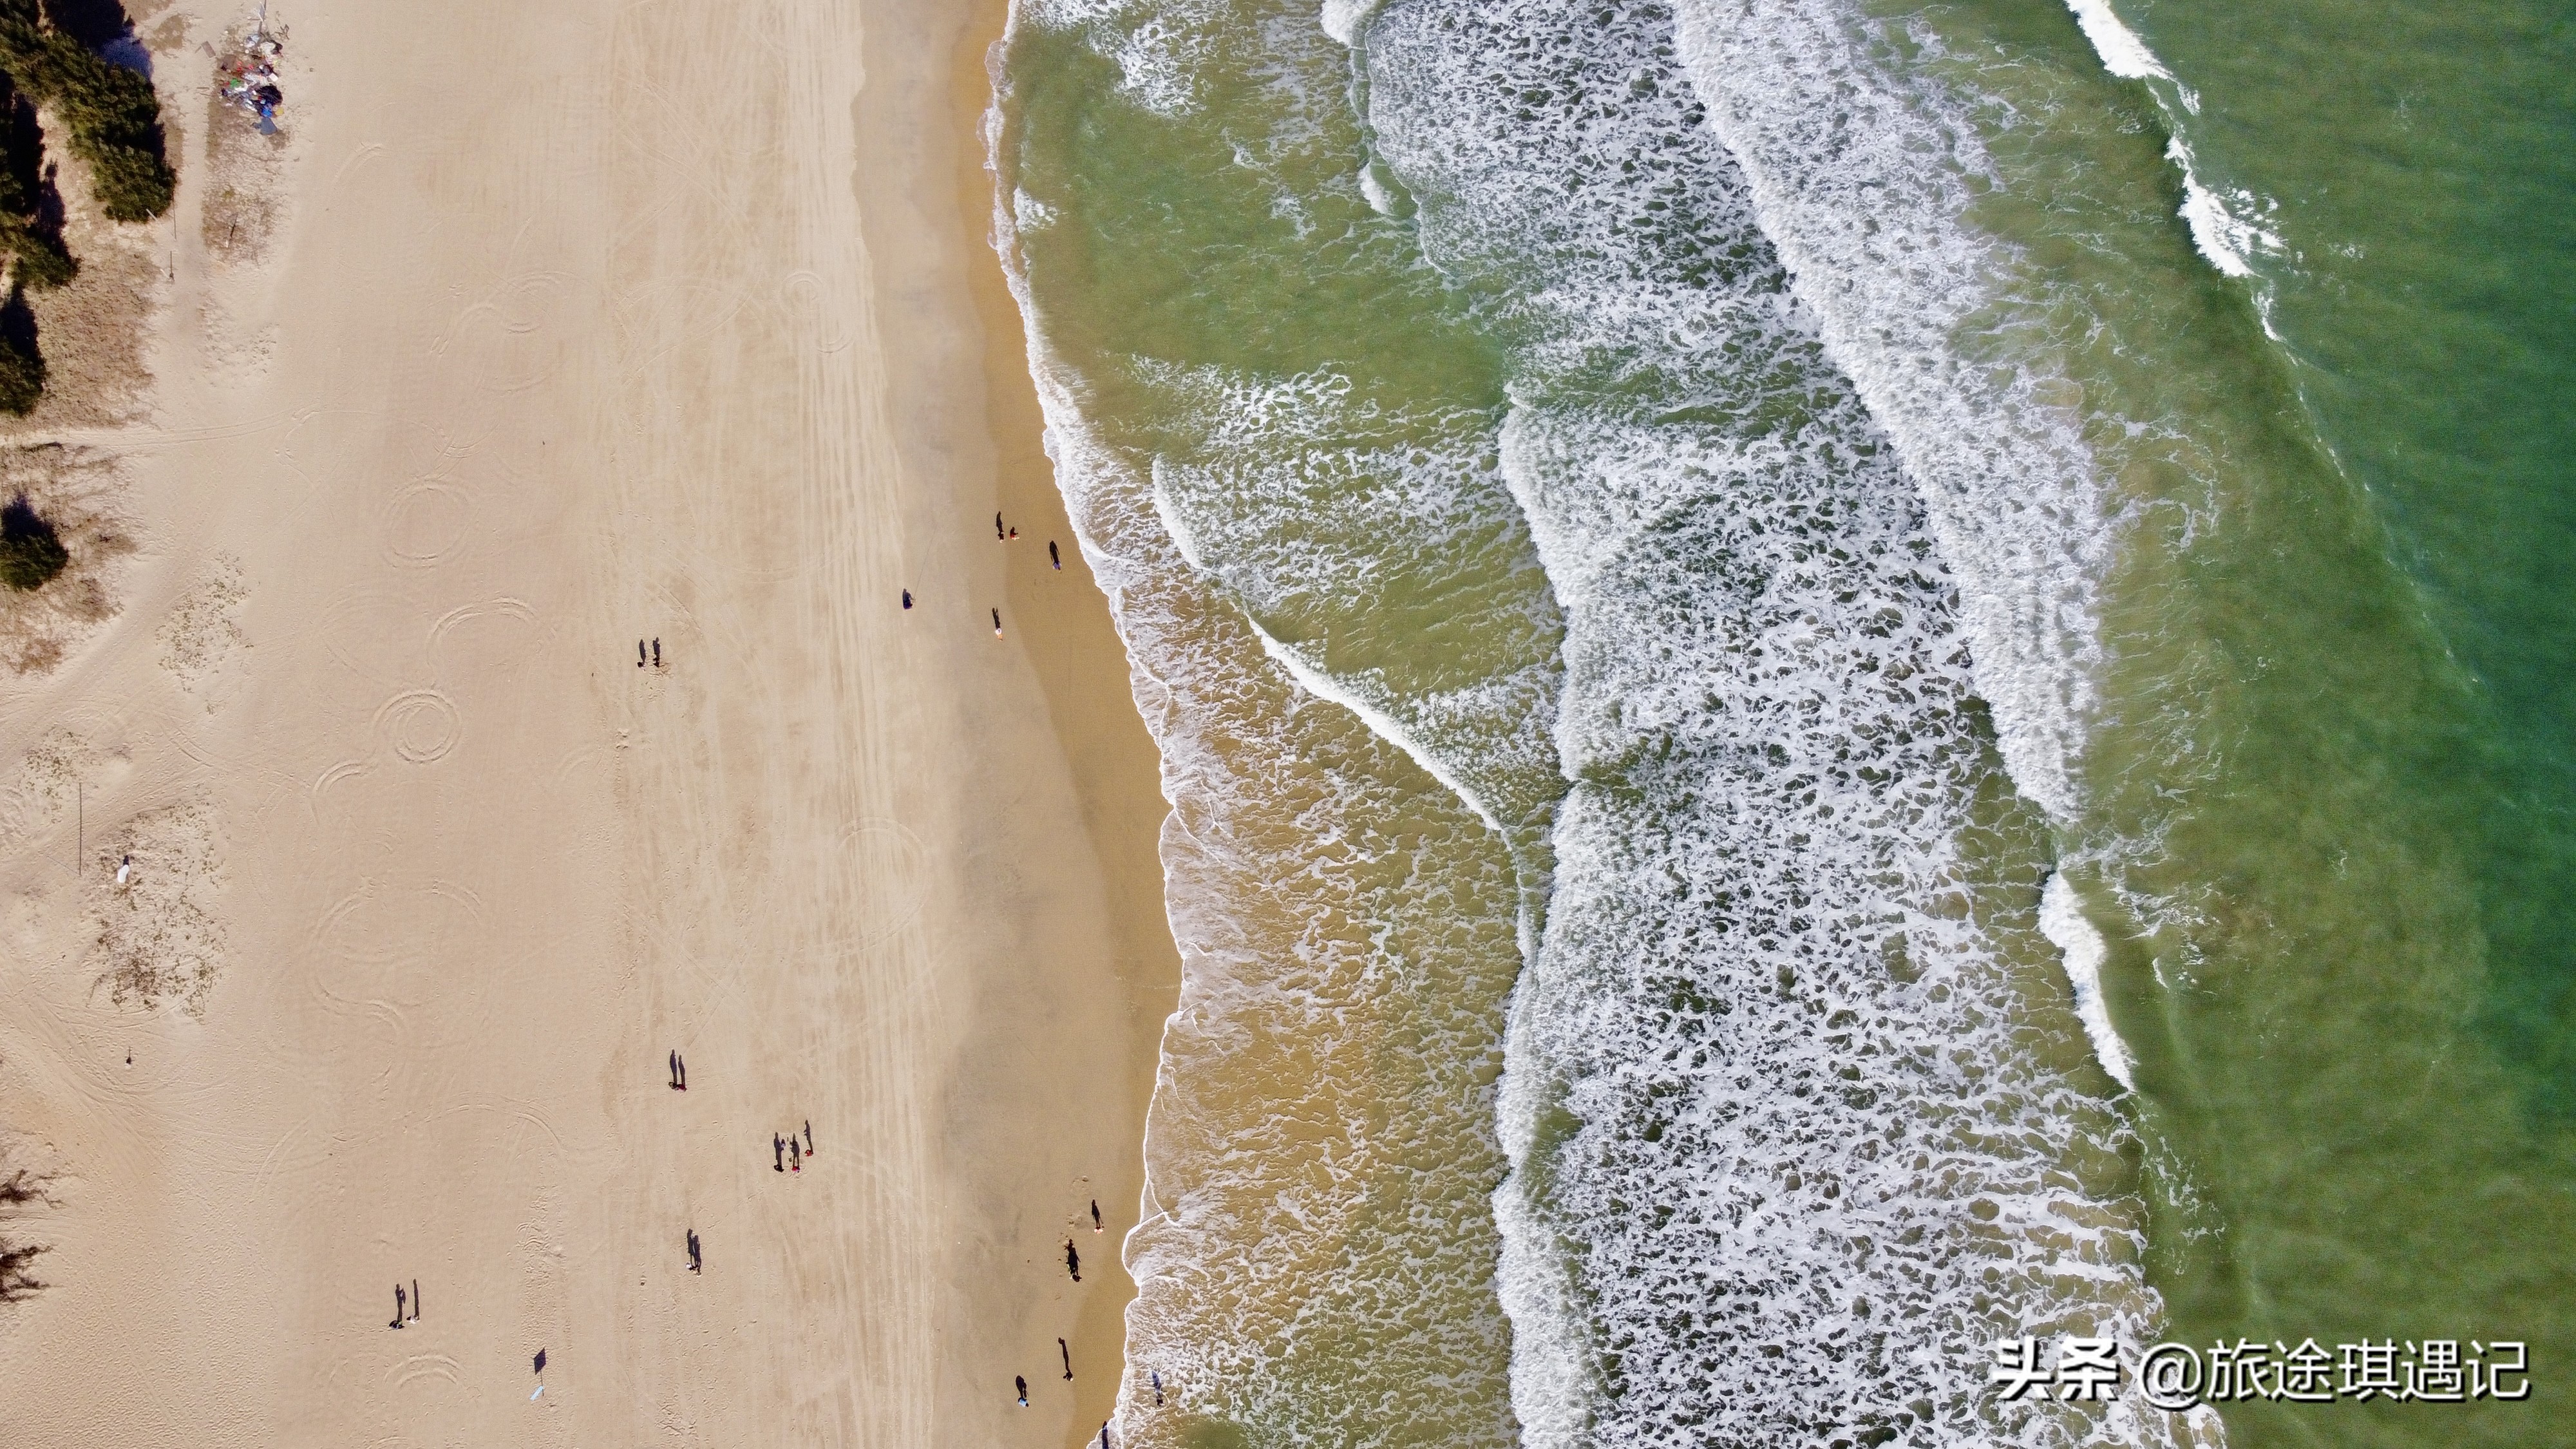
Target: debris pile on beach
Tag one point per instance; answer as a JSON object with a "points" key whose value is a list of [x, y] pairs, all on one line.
{"points": [[249, 79]]}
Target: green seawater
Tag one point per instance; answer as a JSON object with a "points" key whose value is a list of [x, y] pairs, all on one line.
{"points": [[2336, 770]]}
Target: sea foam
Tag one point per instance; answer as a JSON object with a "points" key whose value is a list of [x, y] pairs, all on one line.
{"points": [[2223, 225], [1785, 1165], [2061, 918]]}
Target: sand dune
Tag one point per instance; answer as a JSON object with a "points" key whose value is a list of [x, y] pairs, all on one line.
{"points": [[578, 325]]}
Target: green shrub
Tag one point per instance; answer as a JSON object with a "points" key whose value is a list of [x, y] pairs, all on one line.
{"points": [[30, 554], [112, 115], [43, 261], [22, 376]]}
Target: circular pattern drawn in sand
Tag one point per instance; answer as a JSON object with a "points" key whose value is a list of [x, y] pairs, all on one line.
{"points": [[892, 868], [422, 725], [426, 522]]}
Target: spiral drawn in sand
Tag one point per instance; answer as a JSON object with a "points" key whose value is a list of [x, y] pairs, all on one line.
{"points": [[422, 725]]}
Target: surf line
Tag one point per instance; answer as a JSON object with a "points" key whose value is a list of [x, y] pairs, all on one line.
{"points": [[2062, 921]]}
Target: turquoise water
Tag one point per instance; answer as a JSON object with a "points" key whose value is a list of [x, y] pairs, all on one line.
{"points": [[1839, 680]]}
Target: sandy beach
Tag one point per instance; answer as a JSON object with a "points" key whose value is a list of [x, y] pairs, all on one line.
{"points": [[554, 330]]}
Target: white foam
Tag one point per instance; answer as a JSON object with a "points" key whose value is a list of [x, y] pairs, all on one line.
{"points": [[1319, 507], [2224, 228], [1378, 718], [2123, 53], [1343, 19], [2062, 920], [1860, 178]]}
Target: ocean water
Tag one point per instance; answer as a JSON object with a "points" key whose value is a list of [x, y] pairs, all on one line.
{"points": [[1838, 680]]}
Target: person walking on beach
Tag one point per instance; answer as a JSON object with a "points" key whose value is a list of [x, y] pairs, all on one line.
{"points": [[415, 1300], [1104, 1434], [1053, 557], [675, 1069], [997, 623], [681, 1065], [1157, 1376], [639, 653], [398, 1306], [809, 1136], [1022, 1384], [778, 1152], [795, 1162], [1095, 1215], [657, 653], [696, 1263], [1068, 1359], [998, 533], [1072, 1261], [907, 598]]}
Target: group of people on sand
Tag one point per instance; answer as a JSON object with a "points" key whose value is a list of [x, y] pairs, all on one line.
{"points": [[406, 1306], [784, 1154], [1006, 533], [1073, 1266]]}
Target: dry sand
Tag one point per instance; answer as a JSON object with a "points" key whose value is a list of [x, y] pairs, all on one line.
{"points": [[572, 324]]}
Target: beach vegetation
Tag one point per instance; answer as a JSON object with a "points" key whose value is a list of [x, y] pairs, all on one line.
{"points": [[15, 1281], [22, 367], [30, 552], [31, 223], [39, 259], [17, 1190], [110, 115], [22, 377]]}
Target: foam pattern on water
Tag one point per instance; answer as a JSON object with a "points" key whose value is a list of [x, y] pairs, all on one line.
{"points": [[1358, 534], [1862, 173], [1315, 1259], [1794, 1144]]}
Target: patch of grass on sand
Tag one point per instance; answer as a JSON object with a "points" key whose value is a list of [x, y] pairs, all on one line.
{"points": [[17, 1190], [22, 375]]}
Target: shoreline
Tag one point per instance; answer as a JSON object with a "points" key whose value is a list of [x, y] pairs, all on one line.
{"points": [[1116, 769], [528, 373]]}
